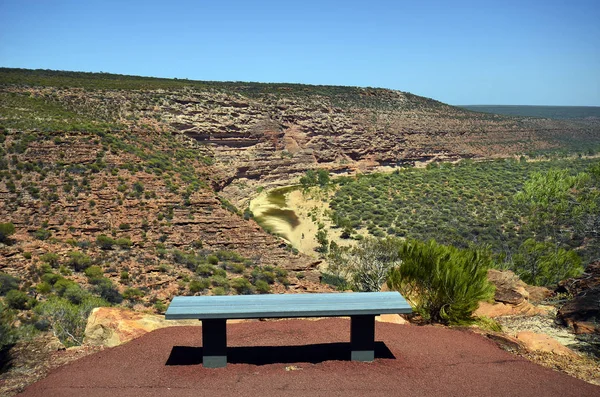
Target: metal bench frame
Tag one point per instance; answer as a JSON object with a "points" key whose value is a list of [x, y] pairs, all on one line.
{"points": [[214, 311]]}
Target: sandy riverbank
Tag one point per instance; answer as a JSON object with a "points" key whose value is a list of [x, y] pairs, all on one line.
{"points": [[309, 209]]}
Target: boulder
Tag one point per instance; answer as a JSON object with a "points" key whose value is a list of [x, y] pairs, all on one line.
{"points": [[538, 294], [509, 287], [498, 309], [542, 343], [111, 326], [391, 318], [506, 342], [582, 313]]}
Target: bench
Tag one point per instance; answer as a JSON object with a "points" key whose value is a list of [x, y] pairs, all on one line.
{"points": [[214, 311]]}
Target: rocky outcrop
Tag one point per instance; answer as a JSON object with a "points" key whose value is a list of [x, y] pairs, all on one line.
{"points": [[512, 297], [542, 343], [111, 326], [582, 313], [509, 287]]}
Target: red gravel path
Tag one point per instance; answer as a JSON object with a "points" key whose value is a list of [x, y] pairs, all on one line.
{"points": [[429, 361]]}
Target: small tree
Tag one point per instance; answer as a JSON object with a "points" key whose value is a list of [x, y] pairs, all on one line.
{"points": [[366, 265], [68, 320], [543, 263], [444, 283], [6, 230]]}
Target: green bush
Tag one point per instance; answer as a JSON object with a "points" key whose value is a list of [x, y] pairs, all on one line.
{"points": [[263, 274], [198, 285], [42, 234], [6, 230], [79, 261], [75, 294], [105, 242], [50, 278], [93, 272], [68, 320], [61, 285], [51, 259], [242, 286], [124, 242], [7, 283], [543, 263], [262, 287], [133, 294], [8, 336], [43, 288], [219, 291], [16, 299], [445, 283], [219, 281], [205, 270], [105, 288]]}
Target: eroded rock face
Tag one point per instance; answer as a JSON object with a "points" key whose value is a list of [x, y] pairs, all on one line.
{"points": [[543, 343], [111, 326], [582, 313], [509, 287], [512, 297]]}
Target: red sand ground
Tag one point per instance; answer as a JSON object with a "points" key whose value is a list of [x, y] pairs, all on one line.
{"points": [[429, 361]]}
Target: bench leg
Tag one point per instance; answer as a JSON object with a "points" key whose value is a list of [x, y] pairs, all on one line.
{"points": [[362, 337], [214, 343]]}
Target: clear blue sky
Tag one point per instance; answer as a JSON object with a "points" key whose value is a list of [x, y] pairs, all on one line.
{"points": [[460, 52]]}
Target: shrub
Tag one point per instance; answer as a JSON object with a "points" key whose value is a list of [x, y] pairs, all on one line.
{"points": [[16, 299], [124, 275], [263, 274], [75, 294], [205, 270], [445, 283], [62, 284], [8, 336], [7, 283], [93, 272], [50, 258], [160, 307], [242, 286], [219, 281], [212, 259], [51, 278], [106, 289], [6, 230], [43, 288], [105, 242], [198, 285], [42, 234], [237, 268], [133, 294], [79, 261], [124, 226], [543, 263], [262, 287], [219, 291], [68, 320], [124, 242]]}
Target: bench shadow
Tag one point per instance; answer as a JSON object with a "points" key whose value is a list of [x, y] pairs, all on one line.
{"points": [[263, 355]]}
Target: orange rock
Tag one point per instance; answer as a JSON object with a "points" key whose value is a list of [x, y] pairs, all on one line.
{"points": [[499, 309], [543, 343], [391, 318], [110, 326]]}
